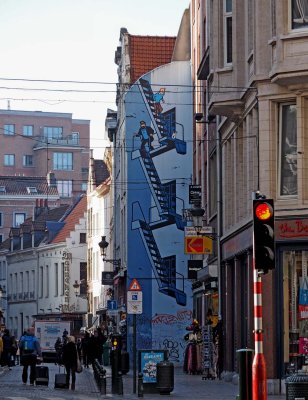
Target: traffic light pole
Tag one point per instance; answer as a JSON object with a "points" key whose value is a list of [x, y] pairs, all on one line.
{"points": [[259, 388]]}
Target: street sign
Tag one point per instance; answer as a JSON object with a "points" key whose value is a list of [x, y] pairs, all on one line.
{"points": [[134, 302], [198, 245], [112, 305], [194, 194], [192, 231], [134, 285]]}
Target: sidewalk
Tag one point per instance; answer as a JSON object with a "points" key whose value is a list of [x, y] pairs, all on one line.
{"points": [[185, 386]]}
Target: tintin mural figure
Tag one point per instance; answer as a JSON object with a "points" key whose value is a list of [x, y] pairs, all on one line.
{"points": [[158, 99]]}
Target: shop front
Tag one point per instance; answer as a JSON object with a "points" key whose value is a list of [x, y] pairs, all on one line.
{"points": [[292, 259]]}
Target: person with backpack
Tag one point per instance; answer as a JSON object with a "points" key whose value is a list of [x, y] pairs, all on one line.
{"points": [[30, 350]]}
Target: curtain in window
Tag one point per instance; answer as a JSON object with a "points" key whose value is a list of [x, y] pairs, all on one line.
{"points": [[288, 150], [299, 14]]}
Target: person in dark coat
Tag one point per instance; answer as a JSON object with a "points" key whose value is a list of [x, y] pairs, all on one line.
{"points": [[7, 349], [69, 359], [85, 349], [101, 338]]}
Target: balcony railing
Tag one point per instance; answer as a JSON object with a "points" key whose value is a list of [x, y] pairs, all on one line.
{"points": [[42, 141]]}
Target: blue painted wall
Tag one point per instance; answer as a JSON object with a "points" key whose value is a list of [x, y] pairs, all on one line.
{"points": [[159, 170]]}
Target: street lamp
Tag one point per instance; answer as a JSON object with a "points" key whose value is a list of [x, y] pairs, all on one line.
{"points": [[76, 286], [103, 244]]}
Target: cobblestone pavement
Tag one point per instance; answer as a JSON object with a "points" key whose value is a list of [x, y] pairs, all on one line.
{"points": [[185, 387]]}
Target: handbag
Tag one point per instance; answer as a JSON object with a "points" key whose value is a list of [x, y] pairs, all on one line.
{"points": [[79, 366], [303, 292]]}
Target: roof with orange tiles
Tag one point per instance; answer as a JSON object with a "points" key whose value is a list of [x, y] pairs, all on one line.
{"points": [[149, 52], [71, 220]]}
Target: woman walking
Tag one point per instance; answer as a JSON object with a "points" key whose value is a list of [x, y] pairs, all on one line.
{"points": [[69, 359]]}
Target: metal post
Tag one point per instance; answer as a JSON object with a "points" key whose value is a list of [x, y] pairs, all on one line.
{"points": [[134, 352], [259, 389], [140, 384]]}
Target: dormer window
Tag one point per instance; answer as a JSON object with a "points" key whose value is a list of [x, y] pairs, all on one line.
{"points": [[2, 189], [32, 190]]}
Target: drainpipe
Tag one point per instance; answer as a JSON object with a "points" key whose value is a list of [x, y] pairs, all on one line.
{"points": [[219, 218]]}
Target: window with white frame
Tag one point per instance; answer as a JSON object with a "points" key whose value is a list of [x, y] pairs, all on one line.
{"points": [[228, 31], [65, 188], [9, 129], [63, 161], [27, 160], [27, 130], [9, 160], [56, 279], [288, 150], [19, 218], [299, 13]]}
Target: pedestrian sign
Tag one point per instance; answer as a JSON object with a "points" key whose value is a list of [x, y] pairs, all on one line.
{"points": [[134, 285]]}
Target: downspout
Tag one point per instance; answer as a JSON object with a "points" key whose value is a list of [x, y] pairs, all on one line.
{"points": [[219, 219]]}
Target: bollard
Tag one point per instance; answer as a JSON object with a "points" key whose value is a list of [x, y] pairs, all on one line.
{"points": [[120, 383], [140, 384], [245, 373], [102, 385]]}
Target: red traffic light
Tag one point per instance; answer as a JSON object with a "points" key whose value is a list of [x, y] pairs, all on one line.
{"points": [[264, 211]]}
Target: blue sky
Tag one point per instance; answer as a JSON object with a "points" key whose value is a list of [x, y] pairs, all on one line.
{"points": [[73, 40]]}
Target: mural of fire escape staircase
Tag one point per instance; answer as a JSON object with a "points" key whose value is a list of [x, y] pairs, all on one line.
{"points": [[164, 124], [163, 201], [164, 268]]}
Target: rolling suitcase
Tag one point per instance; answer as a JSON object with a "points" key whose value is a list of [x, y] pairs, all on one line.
{"points": [[60, 381], [42, 375]]}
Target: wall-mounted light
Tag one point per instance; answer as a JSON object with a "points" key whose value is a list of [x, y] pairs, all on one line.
{"points": [[103, 244]]}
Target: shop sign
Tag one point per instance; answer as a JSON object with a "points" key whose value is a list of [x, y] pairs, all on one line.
{"points": [[193, 267], [194, 194], [67, 258], [291, 229]]}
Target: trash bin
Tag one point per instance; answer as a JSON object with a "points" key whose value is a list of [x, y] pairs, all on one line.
{"points": [[165, 377], [245, 358], [106, 353], [297, 387], [124, 362]]}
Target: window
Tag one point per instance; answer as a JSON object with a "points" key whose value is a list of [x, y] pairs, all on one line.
{"points": [[27, 130], [56, 279], [2, 189], [228, 31], [53, 132], [84, 186], [63, 161], [83, 238], [65, 188], [41, 282], [299, 14], [9, 129], [31, 190], [288, 150], [9, 160], [75, 137], [19, 218], [27, 161], [1, 238], [1, 219], [47, 281]]}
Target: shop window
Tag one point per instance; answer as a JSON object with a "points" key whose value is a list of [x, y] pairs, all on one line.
{"points": [[295, 314]]}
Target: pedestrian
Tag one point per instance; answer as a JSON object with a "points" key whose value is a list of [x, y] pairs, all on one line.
{"points": [[7, 349], [101, 338], [69, 358], [85, 349], [58, 348], [14, 349], [79, 348], [30, 352], [1, 348]]}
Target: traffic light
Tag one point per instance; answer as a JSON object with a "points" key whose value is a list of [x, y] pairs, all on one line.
{"points": [[116, 342], [263, 232]]}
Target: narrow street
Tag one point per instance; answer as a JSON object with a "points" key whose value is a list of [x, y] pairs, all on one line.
{"points": [[185, 387]]}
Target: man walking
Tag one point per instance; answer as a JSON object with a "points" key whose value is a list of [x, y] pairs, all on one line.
{"points": [[30, 350]]}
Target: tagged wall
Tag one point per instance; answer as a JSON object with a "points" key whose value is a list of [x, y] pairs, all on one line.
{"points": [[159, 169]]}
